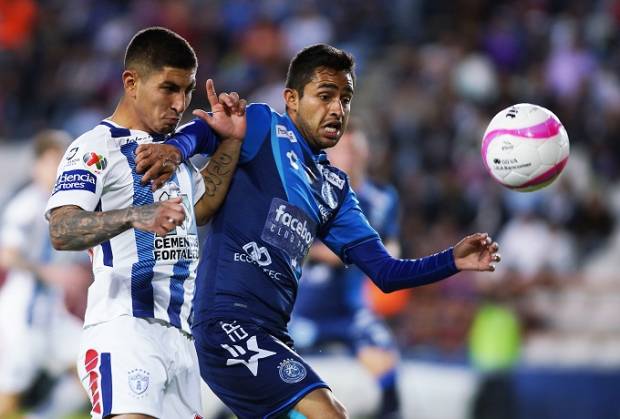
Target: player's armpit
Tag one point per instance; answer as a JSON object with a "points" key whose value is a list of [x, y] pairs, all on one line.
{"points": [[217, 175]]}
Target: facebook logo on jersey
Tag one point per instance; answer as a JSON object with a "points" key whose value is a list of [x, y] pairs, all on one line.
{"points": [[76, 180], [289, 228]]}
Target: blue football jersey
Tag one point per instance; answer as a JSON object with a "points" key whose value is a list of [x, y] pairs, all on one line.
{"points": [[283, 196], [344, 285]]}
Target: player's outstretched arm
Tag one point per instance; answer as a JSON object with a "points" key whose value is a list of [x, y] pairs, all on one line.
{"points": [[72, 228], [474, 253], [477, 252]]}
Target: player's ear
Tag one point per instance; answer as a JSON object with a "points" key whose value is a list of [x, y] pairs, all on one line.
{"points": [[291, 99], [130, 81]]}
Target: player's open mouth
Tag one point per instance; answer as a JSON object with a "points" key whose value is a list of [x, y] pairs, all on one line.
{"points": [[332, 130]]}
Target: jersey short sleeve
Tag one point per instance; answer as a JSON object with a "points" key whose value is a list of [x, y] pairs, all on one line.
{"points": [[81, 173], [349, 227]]}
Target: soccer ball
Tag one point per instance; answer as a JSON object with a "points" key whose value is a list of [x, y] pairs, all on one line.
{"points": [[525, 147]]}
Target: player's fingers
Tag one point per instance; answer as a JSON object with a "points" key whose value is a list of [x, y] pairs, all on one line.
{"points": [[211, 95], [242, 105], [225, 99], [494, 247], [152, 173], [202, 115], [496, 257], [143, 151]]}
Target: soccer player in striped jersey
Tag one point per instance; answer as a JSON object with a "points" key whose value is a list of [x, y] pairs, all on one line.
{"points": [[284, 194], [136, 357]]}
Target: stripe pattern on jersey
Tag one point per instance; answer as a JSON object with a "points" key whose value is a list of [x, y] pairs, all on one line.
{"points": [[142, 270]]}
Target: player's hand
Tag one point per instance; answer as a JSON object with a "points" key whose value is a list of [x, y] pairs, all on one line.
{"points": [[227, 116], [477, 252], [158, 162], [160, 218]]}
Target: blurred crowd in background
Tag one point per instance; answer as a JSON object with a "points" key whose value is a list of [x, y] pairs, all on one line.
{"points": [[431, 74]]}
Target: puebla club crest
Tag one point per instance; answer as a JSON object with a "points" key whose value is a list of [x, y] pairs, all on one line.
{"points": [[291, 371]]}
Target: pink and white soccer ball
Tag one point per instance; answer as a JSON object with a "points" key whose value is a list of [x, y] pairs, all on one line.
{"points": [[525, 147]]}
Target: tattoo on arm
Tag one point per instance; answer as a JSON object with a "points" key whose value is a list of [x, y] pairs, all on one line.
{"points": [[72, 228], [217, 176], [218, 167]]}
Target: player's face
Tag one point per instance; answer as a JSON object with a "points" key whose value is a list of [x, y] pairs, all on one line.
{"points": [[161, 98], [321, 114]]}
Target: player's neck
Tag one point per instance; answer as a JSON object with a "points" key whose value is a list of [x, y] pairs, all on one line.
{"points": [[125, 116]]}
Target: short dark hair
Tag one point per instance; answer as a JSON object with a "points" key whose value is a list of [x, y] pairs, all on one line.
{"points": [[154, 48], [302, 66]]}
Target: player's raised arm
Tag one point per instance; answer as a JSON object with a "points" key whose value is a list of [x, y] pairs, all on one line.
{"points": [[226, 120]]}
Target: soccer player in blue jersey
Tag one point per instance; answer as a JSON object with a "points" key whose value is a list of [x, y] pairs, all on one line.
{"points": [[284, 194], [136, 357], [345, 317]]}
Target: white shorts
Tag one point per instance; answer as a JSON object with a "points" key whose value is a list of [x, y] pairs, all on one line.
{"points": [[37, 333], [134, 365]]}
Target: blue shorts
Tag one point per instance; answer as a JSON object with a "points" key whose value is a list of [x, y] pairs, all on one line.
{"points": [[254, 373], [356, 331]]}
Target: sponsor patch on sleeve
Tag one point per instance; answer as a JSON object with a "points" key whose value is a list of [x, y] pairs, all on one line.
{"points": [[76, 180]]}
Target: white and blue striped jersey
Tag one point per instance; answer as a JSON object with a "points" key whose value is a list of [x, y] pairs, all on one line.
{"points": [[137, 273]]}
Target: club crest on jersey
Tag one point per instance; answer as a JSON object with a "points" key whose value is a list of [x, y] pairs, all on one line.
{"points": [[291, 371], [95, 162], [329, 195], [138, 381], [282, 132]]}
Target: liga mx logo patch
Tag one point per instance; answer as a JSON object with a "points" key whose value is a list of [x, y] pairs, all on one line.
{"points": [[291, 371], [96, 162], [138, 381]]}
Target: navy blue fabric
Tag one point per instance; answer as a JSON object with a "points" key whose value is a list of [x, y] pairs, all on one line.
{"points": [[255, 373], [345, 285], [282, 197], [390, 274]]}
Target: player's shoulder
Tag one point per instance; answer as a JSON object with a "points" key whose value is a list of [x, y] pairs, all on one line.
{"points": [[261, 107], [98, 137]]}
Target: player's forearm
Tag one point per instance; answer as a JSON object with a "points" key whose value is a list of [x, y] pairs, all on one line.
{"points": [[194, 138], [391, 274], [72, 228], [217, 175]]}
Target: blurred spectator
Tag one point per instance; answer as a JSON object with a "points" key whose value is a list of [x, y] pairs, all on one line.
{"points": [[37, 333]]}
